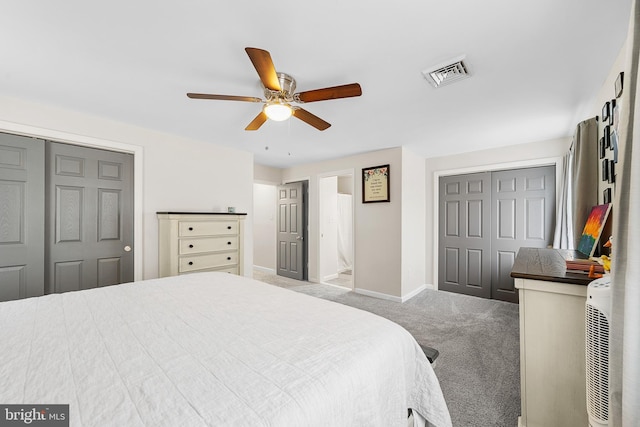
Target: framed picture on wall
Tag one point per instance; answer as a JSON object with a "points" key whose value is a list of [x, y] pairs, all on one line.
{"points": [[375, 184], [602, 148], [606, 112], [607, 136], [606, 195], [618, 84], [612, 171], [605, 170], [612, 111], [593, 228]]}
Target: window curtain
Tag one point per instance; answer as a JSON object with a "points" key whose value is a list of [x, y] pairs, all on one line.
{"points": [[563, 236], [579, 185], [625, 305]]}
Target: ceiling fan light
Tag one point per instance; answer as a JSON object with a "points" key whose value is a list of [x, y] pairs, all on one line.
{"points": [[278, 111]]}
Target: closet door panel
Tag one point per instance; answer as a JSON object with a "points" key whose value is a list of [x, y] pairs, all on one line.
{"points": [[90, 218], [464, 245], [523, 216], [13, 284], [21, 217]]}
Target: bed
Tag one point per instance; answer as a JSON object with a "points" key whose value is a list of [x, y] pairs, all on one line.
{"points": [[213, 349]]}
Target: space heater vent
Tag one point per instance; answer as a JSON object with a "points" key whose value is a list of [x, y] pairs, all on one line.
{"points": [[597, 351], [447, 73]]}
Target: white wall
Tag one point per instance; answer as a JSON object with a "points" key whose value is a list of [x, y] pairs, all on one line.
{"points": [[605, 94], [377, 240], [413, 222], [172, 173], [264, 226], [267, 174], [266, 180], [345, 184]]}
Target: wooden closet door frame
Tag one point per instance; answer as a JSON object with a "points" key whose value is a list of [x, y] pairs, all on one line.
{"points": [[91, 142], [548, 161]]}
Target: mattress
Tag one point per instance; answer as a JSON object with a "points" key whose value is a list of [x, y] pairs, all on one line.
{"points": [[213, 349]]}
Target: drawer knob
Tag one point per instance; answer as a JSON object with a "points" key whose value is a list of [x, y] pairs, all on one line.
{"points": [[228, 227], [228, 243], [190, 262], [190, 246], [228, 258], [190, 228]]}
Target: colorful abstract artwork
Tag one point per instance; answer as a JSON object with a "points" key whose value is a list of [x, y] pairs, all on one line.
{"points": [[593, 228]]}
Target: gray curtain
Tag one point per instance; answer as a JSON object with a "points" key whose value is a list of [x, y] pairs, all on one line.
{"points": [[579, 185], [563, 236], [625, 307]]}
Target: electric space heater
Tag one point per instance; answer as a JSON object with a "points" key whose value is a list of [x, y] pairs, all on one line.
{"points": [[598, 313]]}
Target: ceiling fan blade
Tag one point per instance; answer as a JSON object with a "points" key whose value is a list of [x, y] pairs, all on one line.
{"points": [[223, 97], [311, 119], [263, 64], [257, 122], [335, 92]]}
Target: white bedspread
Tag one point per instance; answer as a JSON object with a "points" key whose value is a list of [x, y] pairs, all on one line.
{"points": [[212, 349]]}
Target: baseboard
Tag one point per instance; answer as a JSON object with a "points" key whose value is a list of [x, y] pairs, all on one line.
{"points": [[388, 297], [330, 277], [378, 295], [414, 293], [431, 287], [336, 286], [265, 269]]}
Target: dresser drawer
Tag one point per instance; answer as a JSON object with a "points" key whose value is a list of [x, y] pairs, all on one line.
{"points": [[202, 262], [233, 269], [208, 244], [207, 228]]}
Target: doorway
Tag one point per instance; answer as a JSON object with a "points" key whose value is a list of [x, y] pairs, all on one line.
{"points": [[335, 260], [292, 241], [484, 218]]}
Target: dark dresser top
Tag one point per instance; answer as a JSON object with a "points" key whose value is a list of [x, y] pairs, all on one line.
{"points": [[201, 213], [549, 265]]}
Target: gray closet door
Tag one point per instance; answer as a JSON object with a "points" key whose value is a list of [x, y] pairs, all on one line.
{"points": [[291, 225], [89, 218], [484, 218], [523, 216], [464, 238], [21, 217]]}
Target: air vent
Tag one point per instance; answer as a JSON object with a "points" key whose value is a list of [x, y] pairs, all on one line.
{"points": [[447, 73]]}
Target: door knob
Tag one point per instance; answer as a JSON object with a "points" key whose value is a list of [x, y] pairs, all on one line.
{"points": [[299, 238], [127, 248]]}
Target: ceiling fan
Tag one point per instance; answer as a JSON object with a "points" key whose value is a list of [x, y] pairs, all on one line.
{"points": [[279, 93]]}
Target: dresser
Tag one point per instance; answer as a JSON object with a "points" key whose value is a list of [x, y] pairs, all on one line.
{"points": [[191, 242], [552, 339]]}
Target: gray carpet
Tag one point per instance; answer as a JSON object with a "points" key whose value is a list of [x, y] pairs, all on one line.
{"points": [[478, 340]]}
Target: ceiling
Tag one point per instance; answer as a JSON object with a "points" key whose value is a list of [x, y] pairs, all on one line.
{"points": [[536, 68]]}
